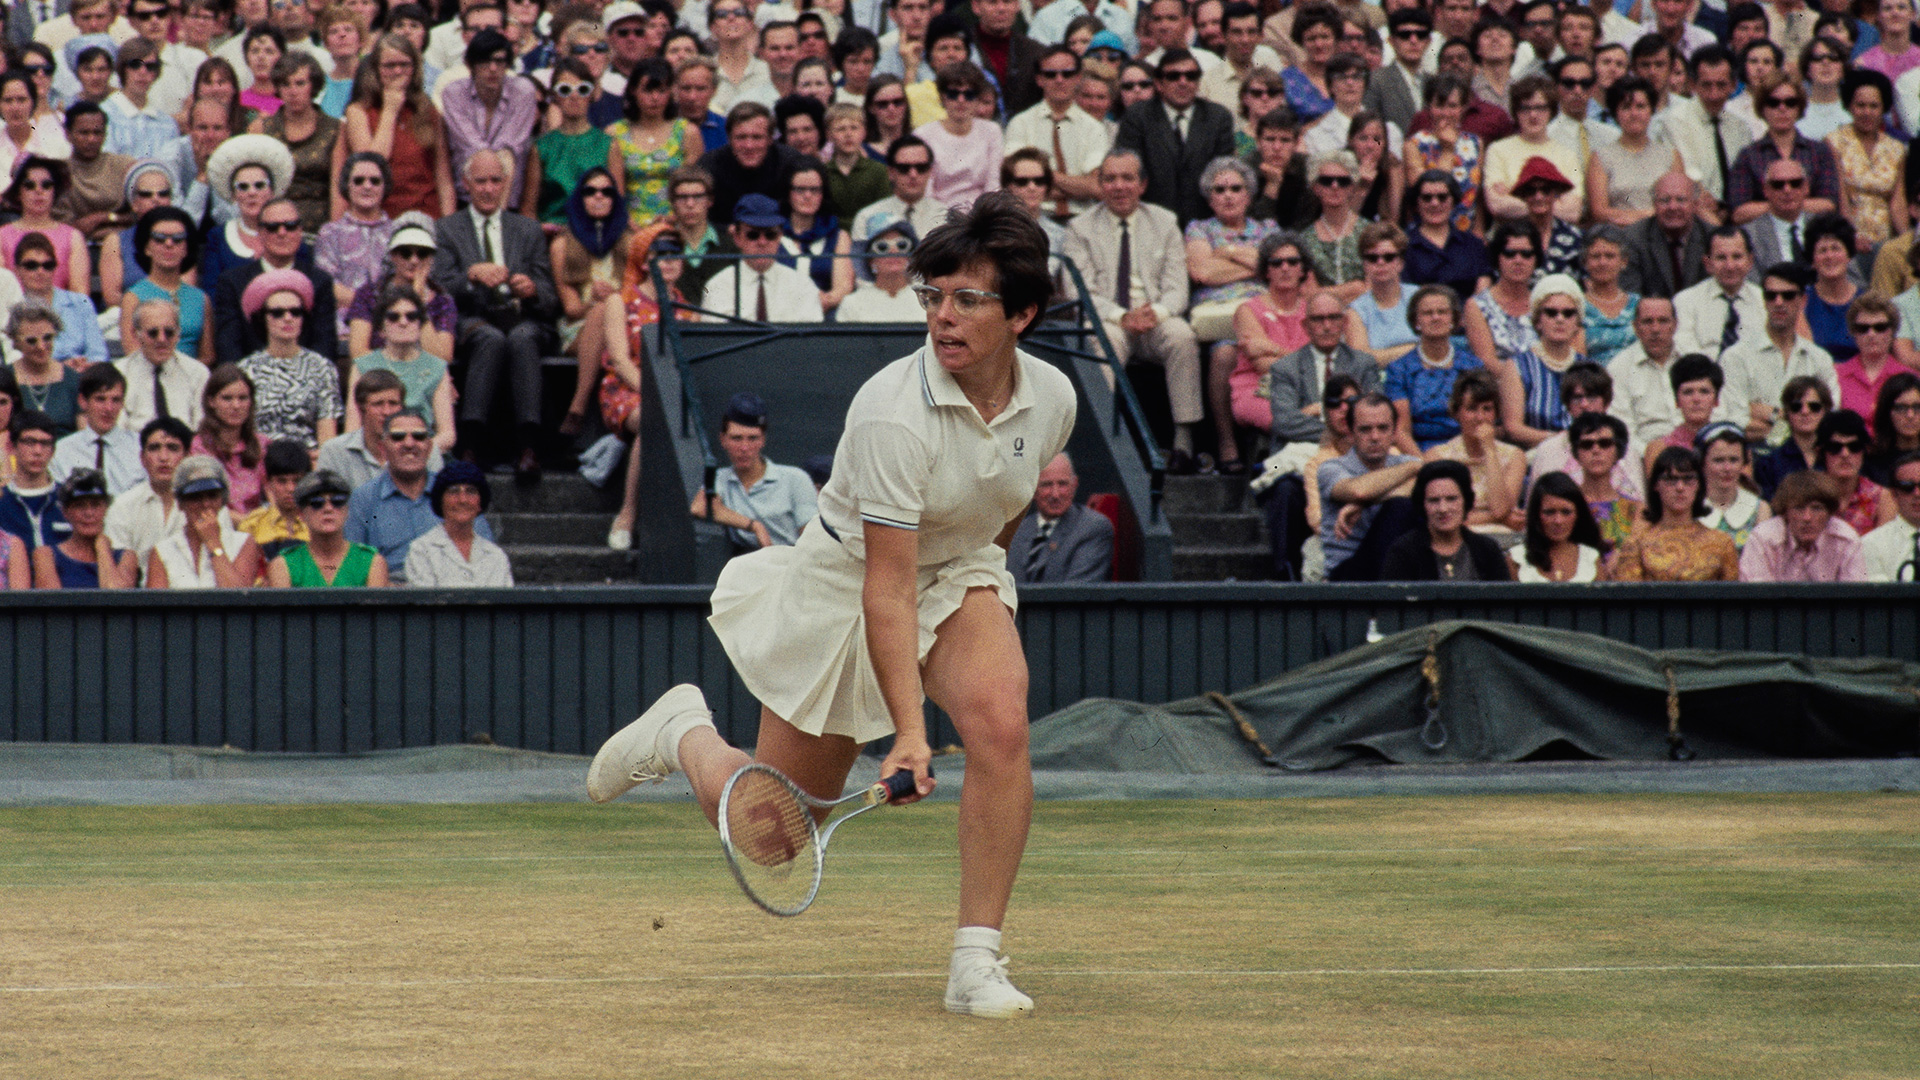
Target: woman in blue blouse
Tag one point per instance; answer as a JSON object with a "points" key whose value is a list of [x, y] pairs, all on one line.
{"points": [[1421, 382], [1317, 31]]}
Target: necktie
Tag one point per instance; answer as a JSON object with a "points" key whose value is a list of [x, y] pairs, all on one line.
{"points": [[1731, 332], [1123, 292], [46, 11], [1037, 552], [1720, 153], [486, 232], [1060, 208], [1180, 128], [1793, 231], [100, 452], [760, 302], [159, 395]]}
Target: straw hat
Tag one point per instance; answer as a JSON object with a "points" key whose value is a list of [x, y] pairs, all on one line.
{"points": [[263, 150]]}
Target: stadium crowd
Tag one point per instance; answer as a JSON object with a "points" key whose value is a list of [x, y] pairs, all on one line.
{"points": [[1518, 289]]}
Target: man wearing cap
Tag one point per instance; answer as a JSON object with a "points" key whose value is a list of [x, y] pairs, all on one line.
{"points": [[206, 551], [506, 315], [743, 77], [281, 248], [757, 287], [909, 169], [161, 380], [452, 554], [762, 504], [491, 109], [329, 558], [1667, 252], [887, 298], [750, 163], [392, 510], [1060, 540], [101, 443], [625, 23], [360, 454], [1074, 140]]}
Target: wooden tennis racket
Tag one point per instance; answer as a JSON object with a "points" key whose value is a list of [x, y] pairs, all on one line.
{"points": [[775, 845]]}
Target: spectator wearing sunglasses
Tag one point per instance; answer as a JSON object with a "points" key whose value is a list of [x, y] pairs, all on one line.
{"points": [[1843, 441], [282, 250], [138, 126], [758, 287], [328, 559], [966, 144], [887, 298], [75, 323], [1805, 402], [1781, 103], [360, 454], [297, 389], [1759, 364], [395, 508], [162, 379], [564, 153], [353, 246], [39, 185], [428, 387], [1081, 137], [1177, 135], [910, 164], [1890, 550], [21, 131]]}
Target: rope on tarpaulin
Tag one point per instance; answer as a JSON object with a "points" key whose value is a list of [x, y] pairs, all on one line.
{"points": [[1677, 747], [1433, 733]]}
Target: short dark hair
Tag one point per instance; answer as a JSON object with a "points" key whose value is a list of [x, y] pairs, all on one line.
{"points": [[143, 234], [1730, 232], [84, 108], [906, 142], [377, 381], [1441, 469], [1692, 368], [857, 39], [1053, 51], [1675, 461], [288, 457], [1715, 53], [1797, 274], [1744, 12], [1182, 56], [1630, 84], [1832, 225], [99, 378], [745, 111], [1842, 422], [25, 420], [176, 427], [1646, 47], [1587, 379], [998, 230]]}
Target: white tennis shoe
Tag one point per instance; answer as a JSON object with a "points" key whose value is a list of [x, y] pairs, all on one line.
{"points": [[632, 756], [977, 987]]}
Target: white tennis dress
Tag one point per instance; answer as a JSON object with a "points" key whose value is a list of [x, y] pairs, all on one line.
{"points": [[916, 455]]}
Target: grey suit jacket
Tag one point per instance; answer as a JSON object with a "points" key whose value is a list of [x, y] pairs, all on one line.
{"points": [[526, 253], [1649, 264], [1296, 384], [1159, 257], [1173, 168], [21, 22], [1080, 548], [1387, 94], [1766, 244]]}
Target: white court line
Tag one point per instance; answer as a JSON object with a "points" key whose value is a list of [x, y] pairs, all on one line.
{"points": [[1059, 973]]}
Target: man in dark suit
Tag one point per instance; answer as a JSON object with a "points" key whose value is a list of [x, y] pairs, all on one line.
{"points": [[1394, 91], [1011, 56], [1666, 252], [1060, 540], [1299, 379], [25, 16], [494, 263], [1176, 134], [750, 164], [281, 248]]}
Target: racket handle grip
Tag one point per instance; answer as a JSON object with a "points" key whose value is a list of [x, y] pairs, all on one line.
{"points": [[900, 784]]}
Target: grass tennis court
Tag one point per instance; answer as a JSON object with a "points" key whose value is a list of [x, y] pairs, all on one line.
{"points": [[1499, 936]]}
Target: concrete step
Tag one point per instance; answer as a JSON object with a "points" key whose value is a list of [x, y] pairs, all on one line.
{"points": [[1222, 562], [568, 530], [556, 493], [1200, 530], [567, 564], [1203, 494]]}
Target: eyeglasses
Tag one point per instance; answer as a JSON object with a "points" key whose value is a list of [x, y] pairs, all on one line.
{"points": [[1560, 313], [758, 234], [965, 301], [1056, 73], [897, 246], [1905, 410], [408, 436], [149, 13], [1412, 33], [1334, 181], [36, 264], [1516, 253], [1905, 487], [1337, 317], [1780, 295], [1286, 260], [572, 90], [606, 192], [727, 13], [582, 50], [1136, 85], [405, 65], [280, 226], [1814, 405], [399, 315], [1381, 258], [1782, 103], [1227, 189], [168, 238], [1262, 93], [1578, 84], [321, 502], [285, 312], [890, 103], [1602, 443], [413, 253], [960, 93], [1432, 197], [161, 333], [1844, 446], [1041, 181], [36, 185], [1787, 184], [1873, 328], [242, 186], [33, 339], [37, 69], [153, 193], [149, 65], [1191, 75], [912, 166]]}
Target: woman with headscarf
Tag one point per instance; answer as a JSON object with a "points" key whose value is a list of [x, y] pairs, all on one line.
{"points": [[589, 262], [149, 184], [813, 236], [248, 171]]}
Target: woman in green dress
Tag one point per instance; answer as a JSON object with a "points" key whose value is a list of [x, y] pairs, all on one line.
{"points": [[651, 142], [565, 153], [327, 559]]}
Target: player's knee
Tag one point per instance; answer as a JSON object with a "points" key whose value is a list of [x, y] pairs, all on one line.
{"points": [[996, 733]]}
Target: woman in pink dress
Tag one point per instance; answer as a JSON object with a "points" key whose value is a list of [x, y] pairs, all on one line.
{"points": [[966, 148], [1269, 327], [37, 184]]}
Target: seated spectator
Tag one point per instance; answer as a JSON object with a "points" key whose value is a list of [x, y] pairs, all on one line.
{"points": [[352, 248], [1896, 426], [888, 297], [1586, 388], [1347, 79], [814, 235], [1059, 540], [409, 261], [207, 552], [1781, 104], [758, 287], [1438, 252], [1889, 551], [166, 247], [358, 455], [1298, 380], [1421, 382], [1621, 173], [1608, 316], [250, 172], [1500, 322], [909, 168], [149, 184], [621, 380], [1805, 539], [1696, 382], [228, 434], [76, 326], [885, 107], [46, 386], [29, 508], [214, 122], [650, 143], [1223, 251], [1712, 314], [85, 559], [37, 184], [1760, 363], [1363, 508], [1532, 161], [854, 180], [136, 125], [16, 565], [1673, 544], [31, 126], [751, 163], [1441, 547], [161, 380], [1639, 373], [1805, 401], [1291, 498], [562, 156], [392, 510], [142, 515], [1666, 254], [1830, 246], [415, 145], [101, 443], [1599, 441], [1379, 325], [276, 525], [1381, 182], [761, 504], [1563, 542], [1875, 325], [452, 555], [1333, 241], [1530, 396], [1267, 327], [428, 386], [801, 119], [9, 405], [328, 559], [589, 260], [297, 391], [263, 48], [345, 35], [491, 108], [967, 144], [1497, 469], [237, 333], [1443, 145], [1733, 507], [1842, 440]]}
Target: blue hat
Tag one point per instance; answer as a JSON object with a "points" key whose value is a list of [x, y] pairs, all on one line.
{"points": [[1107, 39], [759, 211], [819, 468], [885, 222], [459, 472], [746, 407]]}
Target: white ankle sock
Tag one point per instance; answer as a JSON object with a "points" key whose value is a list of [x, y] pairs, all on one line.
{"points": [[668, 744], [984, 939]]}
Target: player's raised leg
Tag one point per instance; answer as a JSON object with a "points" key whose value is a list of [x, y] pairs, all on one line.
{"points": [[977, 672]]}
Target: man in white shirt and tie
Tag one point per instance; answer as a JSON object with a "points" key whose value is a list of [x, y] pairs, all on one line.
{"points": [[161, 380], [101, 443], [1713, 313], [1758, 367], [757, 287], [1693, 123], [1890, 548], [1074, 140]]}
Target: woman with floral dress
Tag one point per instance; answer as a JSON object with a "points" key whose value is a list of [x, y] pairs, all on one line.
{"points": [[650, 143], [1446, 147], [1872, 162]]}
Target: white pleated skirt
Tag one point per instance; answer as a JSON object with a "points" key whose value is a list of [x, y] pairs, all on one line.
{"points": [[791, 621]]}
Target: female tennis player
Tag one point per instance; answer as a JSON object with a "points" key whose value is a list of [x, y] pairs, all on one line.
{"points": [[898, 591]]}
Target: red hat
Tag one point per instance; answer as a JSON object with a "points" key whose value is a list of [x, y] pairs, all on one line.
{"points": [[1539, 169]]}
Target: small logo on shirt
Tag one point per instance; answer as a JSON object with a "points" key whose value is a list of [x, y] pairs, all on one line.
{"points": [[1019, 447]]}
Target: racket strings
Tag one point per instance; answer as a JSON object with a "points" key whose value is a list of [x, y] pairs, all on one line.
{"points": [[773, 835]]}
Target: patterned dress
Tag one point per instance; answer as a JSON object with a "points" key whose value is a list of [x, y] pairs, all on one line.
{"points": [[292, 394], [1425, 151], [1606, 334], [1336, 262], [1616, 520], [1308, 102], [647, 170], [1868, 179], [1512, 334], [1215, 235], [1541, 383], [1684, 554], [1860, 508]]}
